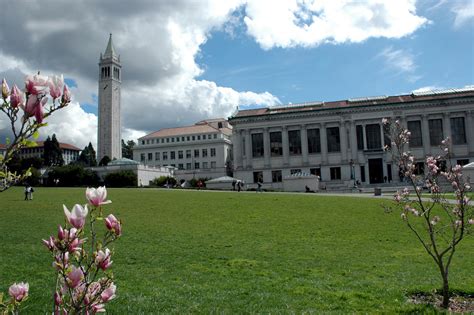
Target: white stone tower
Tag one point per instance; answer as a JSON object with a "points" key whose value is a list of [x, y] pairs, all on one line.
{"points": [[109, 129]]}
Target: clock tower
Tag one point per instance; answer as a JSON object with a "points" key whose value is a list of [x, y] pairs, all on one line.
{"points": [[109, 128]]}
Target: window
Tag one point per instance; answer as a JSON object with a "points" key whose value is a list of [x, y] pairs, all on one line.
{"points": [[213, 151], [335, 173], [204, 164], [142, 157], [180, 154], [188, 138], [150, 156], [462, 162], [436, 131], [172, 157], [172, 139], [215, 136], [213, 164], [334, 141], [163, 140], [196, 165], [257, 145], [177, 139], [157, 156], [194, 138], [167, 140], [243, 147], [188, 154], [257, 177], [182, 139], [315, 171], [458, 130], [276, 148], [196, 153], [276, 176], [314, 141], [373, 138], [360, 137], [204, 153], [148, 141], [181, 166], [295, 171], [165, 156], [199, 137], [362, 173], [416, 139], [219, 125], [294, 140], [188, 166], [419, 168]]}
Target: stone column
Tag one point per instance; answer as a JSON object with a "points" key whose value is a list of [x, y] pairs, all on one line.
{"points": [[248, 148], [382, 137], [353, 140], [364, 135], [343, 135], [237, 143], [324, 144], [447, 127], [470, 132], [286, 146], [425, 132], [266, 147], [304, 144]]}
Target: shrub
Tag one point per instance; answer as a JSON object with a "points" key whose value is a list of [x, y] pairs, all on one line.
{"points": [[121, 179]]}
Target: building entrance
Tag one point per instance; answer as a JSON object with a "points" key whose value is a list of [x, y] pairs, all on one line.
{"points": [[375, 171]]}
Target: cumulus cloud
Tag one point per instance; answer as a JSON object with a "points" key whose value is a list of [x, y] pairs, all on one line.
{"points": [[464, 13], [159, 42], [310, 23]]}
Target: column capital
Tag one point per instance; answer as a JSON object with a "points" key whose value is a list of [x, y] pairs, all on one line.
{"points": [[284, 128], [304, 126]]}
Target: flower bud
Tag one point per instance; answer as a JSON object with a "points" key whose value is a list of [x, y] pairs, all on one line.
{"points": [[5, 89]]}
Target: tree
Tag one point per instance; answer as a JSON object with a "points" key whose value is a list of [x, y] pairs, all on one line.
{"points": [[87, 156], [53, 155], [127, 149], [121, 179], [104, 161], [437, 224]]}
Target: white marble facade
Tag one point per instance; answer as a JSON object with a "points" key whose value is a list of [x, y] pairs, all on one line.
{"points": [[342, 142]]}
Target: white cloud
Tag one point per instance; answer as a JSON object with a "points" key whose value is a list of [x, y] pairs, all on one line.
{"points": [[427, 89], [400, 62], [313, 22], [464, 11]]}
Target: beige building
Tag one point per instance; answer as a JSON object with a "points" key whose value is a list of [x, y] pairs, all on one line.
{"points": [[342, 141], [69, 152], [202, 150]]}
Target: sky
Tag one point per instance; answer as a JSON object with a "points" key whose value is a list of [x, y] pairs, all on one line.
{"points": [[188, 60]]}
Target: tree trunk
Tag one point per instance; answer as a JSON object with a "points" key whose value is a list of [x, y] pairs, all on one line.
{"points": [[445, 290]]}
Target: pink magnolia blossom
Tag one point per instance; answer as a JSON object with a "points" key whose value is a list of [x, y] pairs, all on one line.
{"points": [[471, 221], [61, 233], [98, 308], [75, 245], [35, 107], [55, 84], [5, 89], [75, 277], [435, 220], [19, 291], [113, 224], [50, 243], [66, 94], [109, 293], [103, 259], [36, 84], [97, 197], [77, 217], [57, 299], [16, 97]]}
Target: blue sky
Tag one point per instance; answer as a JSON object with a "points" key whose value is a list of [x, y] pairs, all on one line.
{"points": [[437, 55]]}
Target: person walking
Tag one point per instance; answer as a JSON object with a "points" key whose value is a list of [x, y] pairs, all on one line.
{"points": [[30, 192], [27, 191]]}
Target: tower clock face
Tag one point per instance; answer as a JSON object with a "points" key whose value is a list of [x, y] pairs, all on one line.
{"points": [[105, 86]]}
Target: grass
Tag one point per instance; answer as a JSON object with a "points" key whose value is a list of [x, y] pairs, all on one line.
{"points": [[215, 252]]}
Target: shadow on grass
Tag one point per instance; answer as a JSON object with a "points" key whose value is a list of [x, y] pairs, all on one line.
{"points": [[460, 301]]}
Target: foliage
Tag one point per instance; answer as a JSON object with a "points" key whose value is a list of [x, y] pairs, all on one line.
{"points": [[72, 175], [163, 180], [104, 161], [194, 182], [25, 112], [84, 282], [438, 224], [87, 156], [121, 179], [53, 155], [205, 252], [127, 149]]}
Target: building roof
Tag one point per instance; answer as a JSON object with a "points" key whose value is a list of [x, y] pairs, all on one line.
{"points": [[123, 161], [199, 128], [68, 146], [110, 50], [359, 102]]}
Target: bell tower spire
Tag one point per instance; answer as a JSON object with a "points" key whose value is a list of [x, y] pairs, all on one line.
{"points": [[109, 126]]}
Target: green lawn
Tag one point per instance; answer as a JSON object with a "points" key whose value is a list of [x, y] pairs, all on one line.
{"points": [[213, 252]]}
